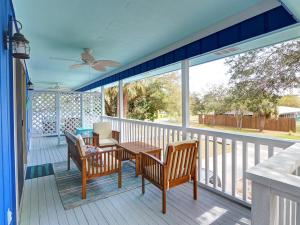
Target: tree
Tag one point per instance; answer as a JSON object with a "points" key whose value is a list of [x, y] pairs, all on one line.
{"points": [[111, 101], [290, 100], [196, 104], [214, 101], [145, 99], [265, 75], [238, 102]]}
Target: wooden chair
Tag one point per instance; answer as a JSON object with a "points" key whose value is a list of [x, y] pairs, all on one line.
{"points": [[93, 164], [179, 167], [104, 136]]}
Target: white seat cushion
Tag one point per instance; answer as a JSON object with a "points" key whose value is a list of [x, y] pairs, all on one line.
{"points": [[103, 129], [107, 142]]}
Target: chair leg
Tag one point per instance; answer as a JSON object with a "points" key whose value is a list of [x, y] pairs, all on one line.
{"points": [[195, 187], [164, 201], [83, 187], [143, 184], [68, 161], [120, 178]]}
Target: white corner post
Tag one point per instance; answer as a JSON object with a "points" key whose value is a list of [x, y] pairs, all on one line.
{"points": [[102, 103], [121, 105], [264, 205], [185, 96]]}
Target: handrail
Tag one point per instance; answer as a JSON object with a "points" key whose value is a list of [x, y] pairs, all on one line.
{"points": [[276, 176], [276, 142]]}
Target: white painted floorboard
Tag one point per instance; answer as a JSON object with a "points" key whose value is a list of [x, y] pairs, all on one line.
{"points": [[41, 203]]}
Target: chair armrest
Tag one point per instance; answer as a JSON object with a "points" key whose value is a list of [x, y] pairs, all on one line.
{"points": [[116, 135], [153, 169]]}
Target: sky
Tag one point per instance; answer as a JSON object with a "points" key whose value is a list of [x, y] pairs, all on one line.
{"points": [[207, 75]]}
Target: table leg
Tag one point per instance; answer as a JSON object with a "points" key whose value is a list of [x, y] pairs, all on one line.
{"points": [[137, 165]]}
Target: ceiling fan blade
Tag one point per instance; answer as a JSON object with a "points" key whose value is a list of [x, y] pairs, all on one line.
{"points": [[108, 63], [87, 56], [98, 67], [75, 66], [64, 59]]}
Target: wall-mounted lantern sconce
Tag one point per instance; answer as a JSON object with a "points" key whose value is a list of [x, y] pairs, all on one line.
{"points": [[30, 86], [20, 45]]}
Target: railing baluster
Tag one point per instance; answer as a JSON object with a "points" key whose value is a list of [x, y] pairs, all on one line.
{"points": [[199, 157], [256, 153], [224, 164], [164, 131], [151, 135], [144, 136], [233, 161], [206, 158], [270, 151], [287, 211], [159, 136], [215, 161], [173, 131], [168, 136], [245, 167]]}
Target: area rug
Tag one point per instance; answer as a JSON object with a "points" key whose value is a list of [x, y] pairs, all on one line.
{"points": [[39, 171], [69, 184]]}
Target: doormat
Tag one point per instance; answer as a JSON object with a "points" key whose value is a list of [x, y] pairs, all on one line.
{"points": [[39, 171]]}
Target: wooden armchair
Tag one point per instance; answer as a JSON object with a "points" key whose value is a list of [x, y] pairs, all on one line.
{"points": [[93, 164], [104, 136], [179, 167]]}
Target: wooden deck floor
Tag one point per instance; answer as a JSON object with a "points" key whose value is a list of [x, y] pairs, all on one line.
{"points": [[42, 205]]}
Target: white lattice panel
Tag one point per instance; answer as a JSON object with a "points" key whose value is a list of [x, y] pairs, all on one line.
{"points": [[43, 114], [91, 108], [54, 112], [70, 111]]}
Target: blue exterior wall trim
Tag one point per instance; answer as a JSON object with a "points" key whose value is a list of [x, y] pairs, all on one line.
{"points": [[7, 166], [255, 26]]}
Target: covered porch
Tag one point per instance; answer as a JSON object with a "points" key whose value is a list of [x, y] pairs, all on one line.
{"points": [[42, 205], [241, 178]]}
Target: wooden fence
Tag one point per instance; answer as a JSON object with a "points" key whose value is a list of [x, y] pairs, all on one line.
{"points": [[251, 122]]}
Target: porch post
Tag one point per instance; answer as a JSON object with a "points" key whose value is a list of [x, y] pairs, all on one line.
{"points": [[120, 106], [185, 96], [102, 103]]}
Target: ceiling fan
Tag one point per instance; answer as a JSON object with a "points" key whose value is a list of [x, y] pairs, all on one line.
{"points": [[51, 86], [87, 59]]}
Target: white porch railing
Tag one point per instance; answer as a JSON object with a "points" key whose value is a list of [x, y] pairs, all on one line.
{"points": [[276, 189], [223, 157]]}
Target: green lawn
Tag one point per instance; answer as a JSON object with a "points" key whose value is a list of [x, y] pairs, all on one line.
{"points": [[268, 133]]}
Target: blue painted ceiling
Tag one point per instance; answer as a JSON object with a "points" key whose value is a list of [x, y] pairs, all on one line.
{"points": [[121, 30]]}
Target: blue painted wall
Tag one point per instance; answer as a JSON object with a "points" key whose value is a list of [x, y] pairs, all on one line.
{"points": [[7, 174]]}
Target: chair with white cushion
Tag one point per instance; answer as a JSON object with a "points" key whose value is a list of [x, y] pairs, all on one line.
{"points": [[179, 167], [104, 136], [92, 161]]}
